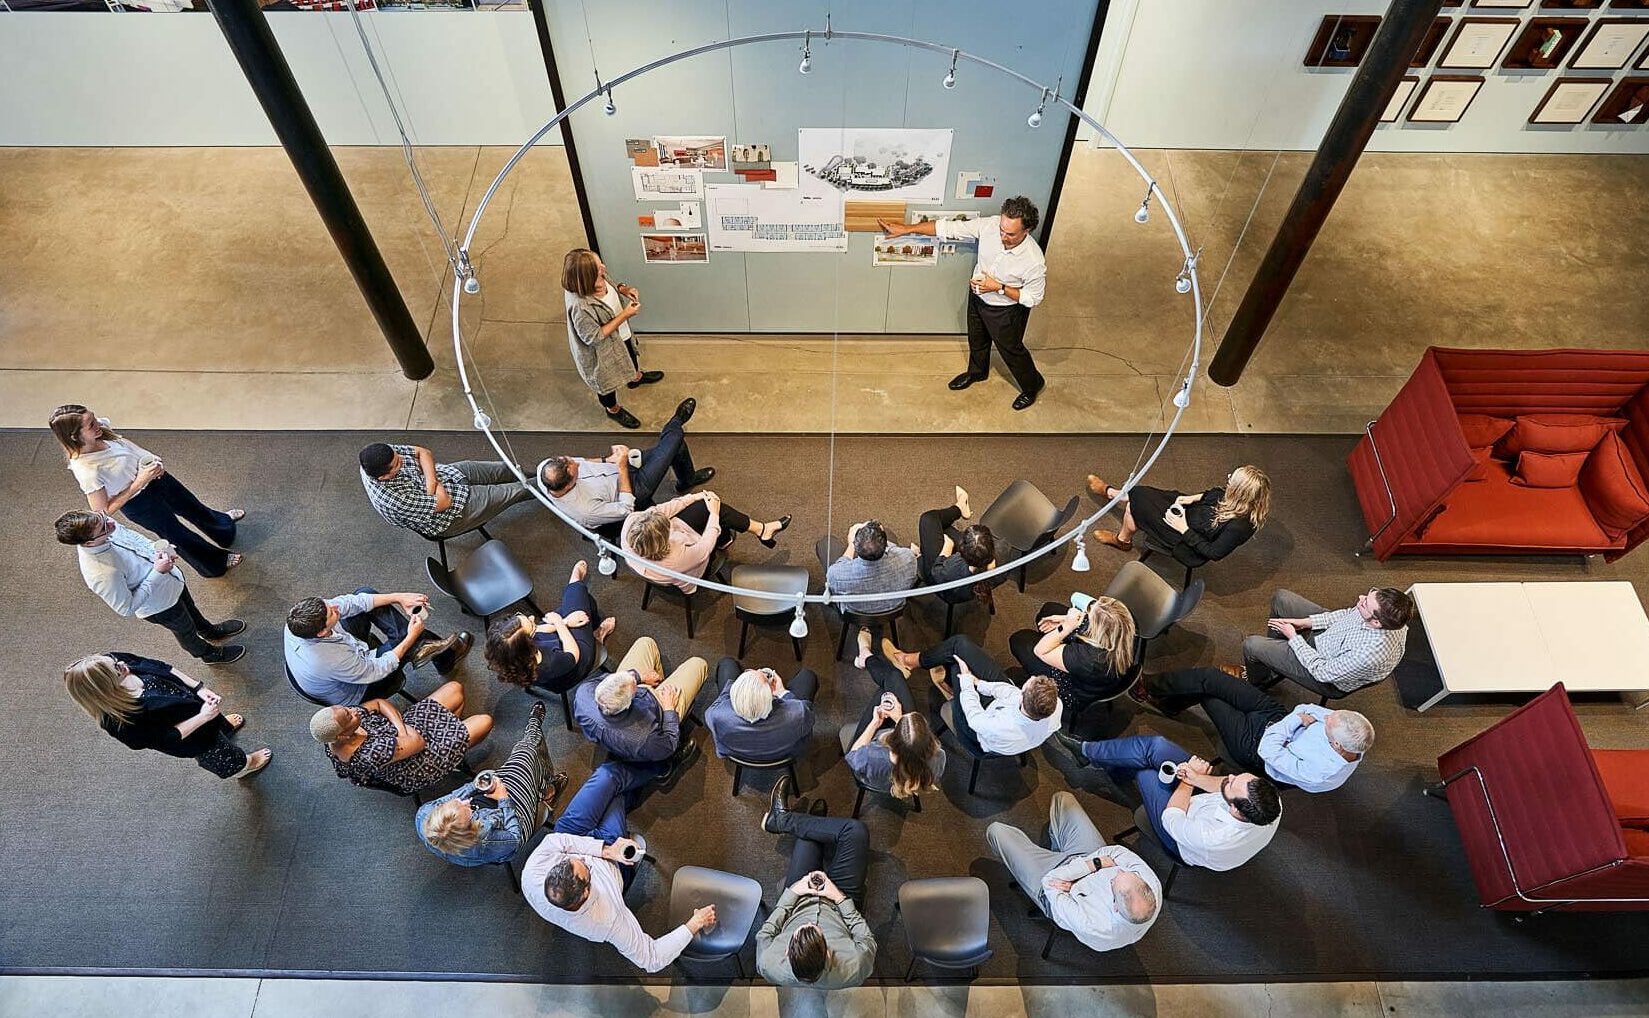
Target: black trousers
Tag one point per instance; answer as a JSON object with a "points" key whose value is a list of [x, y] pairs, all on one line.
{"points": [[888, 680], [392, 626], [1004, 326], [984, 668], [185, 622], [845, 841], [162, 508], [733, 522], [222, 758], [1240, 712]]}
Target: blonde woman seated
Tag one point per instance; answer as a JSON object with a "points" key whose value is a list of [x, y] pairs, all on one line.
{"points": [[375, 744], [1088, 652], [684, 533], [1195, 529], [896, 752]]}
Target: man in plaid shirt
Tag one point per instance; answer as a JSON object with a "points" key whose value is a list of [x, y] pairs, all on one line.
{"points": [[1330, 653], [438, 500]]}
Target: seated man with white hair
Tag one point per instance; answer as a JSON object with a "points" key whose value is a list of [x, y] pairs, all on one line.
{"points": [[756, 717], [1313, 748], [1104, 894], [634, 712]]}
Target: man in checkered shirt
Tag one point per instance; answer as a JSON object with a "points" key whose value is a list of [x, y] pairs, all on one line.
{"points": [[1331, 653], [438, 500]]}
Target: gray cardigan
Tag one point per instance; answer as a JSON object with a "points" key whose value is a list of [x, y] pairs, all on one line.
{"points": [[602, 361], [852, 945]]}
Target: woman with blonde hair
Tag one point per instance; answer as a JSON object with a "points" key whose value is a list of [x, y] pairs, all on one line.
{"points": [[598, 331], [896, 751], [1195, 529], [684, 533], [118, 475], [148, 704], [1089, 651]]}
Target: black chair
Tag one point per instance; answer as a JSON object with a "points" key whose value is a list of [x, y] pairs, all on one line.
{"points": [[317, 701], [1147, 834], [486, 582], [829, 549], [718, 559], [788, 765], [738, 901], [1148, 547], [566, 701], [947, 922], [946, 720], [1153, 602], [1023, 519], [849, 733], [441, 542], [761, 611], [951, 606], [1036, 911]]}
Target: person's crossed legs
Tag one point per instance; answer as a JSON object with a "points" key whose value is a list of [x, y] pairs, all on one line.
{"points": [[1139, 757]]}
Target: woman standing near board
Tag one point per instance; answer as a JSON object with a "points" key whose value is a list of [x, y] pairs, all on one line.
{"points": [[598, 331]]}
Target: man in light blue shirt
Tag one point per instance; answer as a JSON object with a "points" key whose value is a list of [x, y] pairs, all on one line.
{"points": [[334, 656], [1313, 748]]}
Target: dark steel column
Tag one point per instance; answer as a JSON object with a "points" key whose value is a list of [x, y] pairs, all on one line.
{"points": [[541, 19], [1404, 26], [254, 46]]}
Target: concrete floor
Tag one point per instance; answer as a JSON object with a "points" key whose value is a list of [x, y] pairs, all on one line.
{"points": [[205, 275]]}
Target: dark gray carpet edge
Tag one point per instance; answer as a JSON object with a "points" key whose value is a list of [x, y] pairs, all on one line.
{"points": [[135, 863]]}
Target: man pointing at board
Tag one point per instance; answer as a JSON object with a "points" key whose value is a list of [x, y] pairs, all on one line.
{"points": [[1008, 280]]}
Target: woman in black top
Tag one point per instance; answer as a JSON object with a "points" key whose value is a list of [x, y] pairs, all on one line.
{"points": [[557, 653], [1195, 529], [942, 557], [147, 704], [1088, 653]]}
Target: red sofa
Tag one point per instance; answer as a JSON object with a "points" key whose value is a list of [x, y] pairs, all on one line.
{"points": [[1547, 823], [1424, 490]]}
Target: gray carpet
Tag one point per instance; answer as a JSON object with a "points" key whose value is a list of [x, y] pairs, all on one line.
{"points": [[120, 860]]}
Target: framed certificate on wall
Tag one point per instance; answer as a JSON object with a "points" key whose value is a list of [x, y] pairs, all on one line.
{"points": [[1399, 99], [1611, 44], [1569, 100], [1445, 99], [1478, 42]]}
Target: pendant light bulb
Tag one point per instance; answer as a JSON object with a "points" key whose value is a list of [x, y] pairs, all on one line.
{"points": [[607, 565], [807, 55], [950, 76], [1080, 564], [798, 625]]}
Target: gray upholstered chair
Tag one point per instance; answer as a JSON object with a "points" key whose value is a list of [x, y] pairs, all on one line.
{"points": [[760, 611], [738, 901], [1022, 519], [1153, 602], [947, 922], [486, 582]]}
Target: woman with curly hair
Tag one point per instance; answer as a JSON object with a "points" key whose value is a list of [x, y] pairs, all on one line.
{"points": [[560, 651]]}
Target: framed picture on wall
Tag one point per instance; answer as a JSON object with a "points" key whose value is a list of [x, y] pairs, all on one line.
{"points": [[1611, 44], [1444, 99], [1569, 100], [1399, 99], [1342, 40], [1627, 105], [1571, 5], [1478, 42], [1428, 45], [1544, 43], [1511, 4], [1629, 5]]}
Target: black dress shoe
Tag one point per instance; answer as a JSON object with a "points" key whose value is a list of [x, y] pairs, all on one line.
{"points": [[965, 379], [224, 630], [1025, 399], [685, 409], [777, 808], [700, 476], [773, 542], [647, 378], [623, 418], [225, 655], [1074, 745], [679, 763]]}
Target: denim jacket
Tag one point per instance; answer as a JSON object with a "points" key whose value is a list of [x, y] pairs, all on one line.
{"points": [[501, 833]]}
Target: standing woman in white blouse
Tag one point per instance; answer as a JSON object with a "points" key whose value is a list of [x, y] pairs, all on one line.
{"points": [[118, 475]]}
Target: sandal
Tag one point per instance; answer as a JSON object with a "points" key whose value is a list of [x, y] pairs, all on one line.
{"points": [[235, 721], [253, 768]]}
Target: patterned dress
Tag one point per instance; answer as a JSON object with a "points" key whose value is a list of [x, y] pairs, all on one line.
{"points": [[445, 742]]}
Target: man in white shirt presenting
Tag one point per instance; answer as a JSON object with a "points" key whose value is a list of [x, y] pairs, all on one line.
{"points": [[1202, 819], [1009, 279], [1104, 894]]}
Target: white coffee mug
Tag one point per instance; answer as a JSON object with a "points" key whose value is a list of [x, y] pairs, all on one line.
{"points": [[1168, 773]]}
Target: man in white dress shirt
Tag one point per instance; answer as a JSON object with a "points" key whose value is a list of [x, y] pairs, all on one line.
{"points": [[1017, 719], [599, 493], [134, 577], [1104, 894], [1009, 279]]}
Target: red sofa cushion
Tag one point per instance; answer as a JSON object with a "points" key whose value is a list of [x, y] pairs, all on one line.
{"points": [[1480, 471], [1557, 433], [1625, 774], [1614, 489], [1637, 842], [1500, 515], [1548, 469], [1481, 429]]}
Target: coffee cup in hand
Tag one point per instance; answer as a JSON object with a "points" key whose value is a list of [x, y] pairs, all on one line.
{"points": [[1168, 773]]}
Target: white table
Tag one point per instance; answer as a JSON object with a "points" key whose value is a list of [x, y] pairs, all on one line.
{"points": [[1523, 637]]}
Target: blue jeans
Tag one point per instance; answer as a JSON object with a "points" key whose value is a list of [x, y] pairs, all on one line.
{"points": [[1138, 757], [597, 811], [668, 453]]}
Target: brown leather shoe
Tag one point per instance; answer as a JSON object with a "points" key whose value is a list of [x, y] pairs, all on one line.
{"points": [[1236, 671], [1096, 489], [1109, 537]]}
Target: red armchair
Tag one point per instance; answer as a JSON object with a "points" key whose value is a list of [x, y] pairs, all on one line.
{"points": [[1547, 823]]}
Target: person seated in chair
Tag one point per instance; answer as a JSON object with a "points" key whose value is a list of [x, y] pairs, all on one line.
{"points": [[896, 751], [375, 744], [1088, 653], [868, 566], [1313, 748], [558, 652], [815, 936], [943, 554], [436, 500], [1103, 894], [577, 876], [480, 823], [634, 712], [1195, 529], [602, 492], [1331, 653], [756, 717], [1017, 720], [1201, 819], [334, 656], [684, 533]]}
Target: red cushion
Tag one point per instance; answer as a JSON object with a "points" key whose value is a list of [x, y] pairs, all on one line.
{"points": [[1480, 472], [1625, 774], [1614, 489], [1481, 430], [1557, 433], [1637, 842], [1549, 469], [1499, 515]]}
